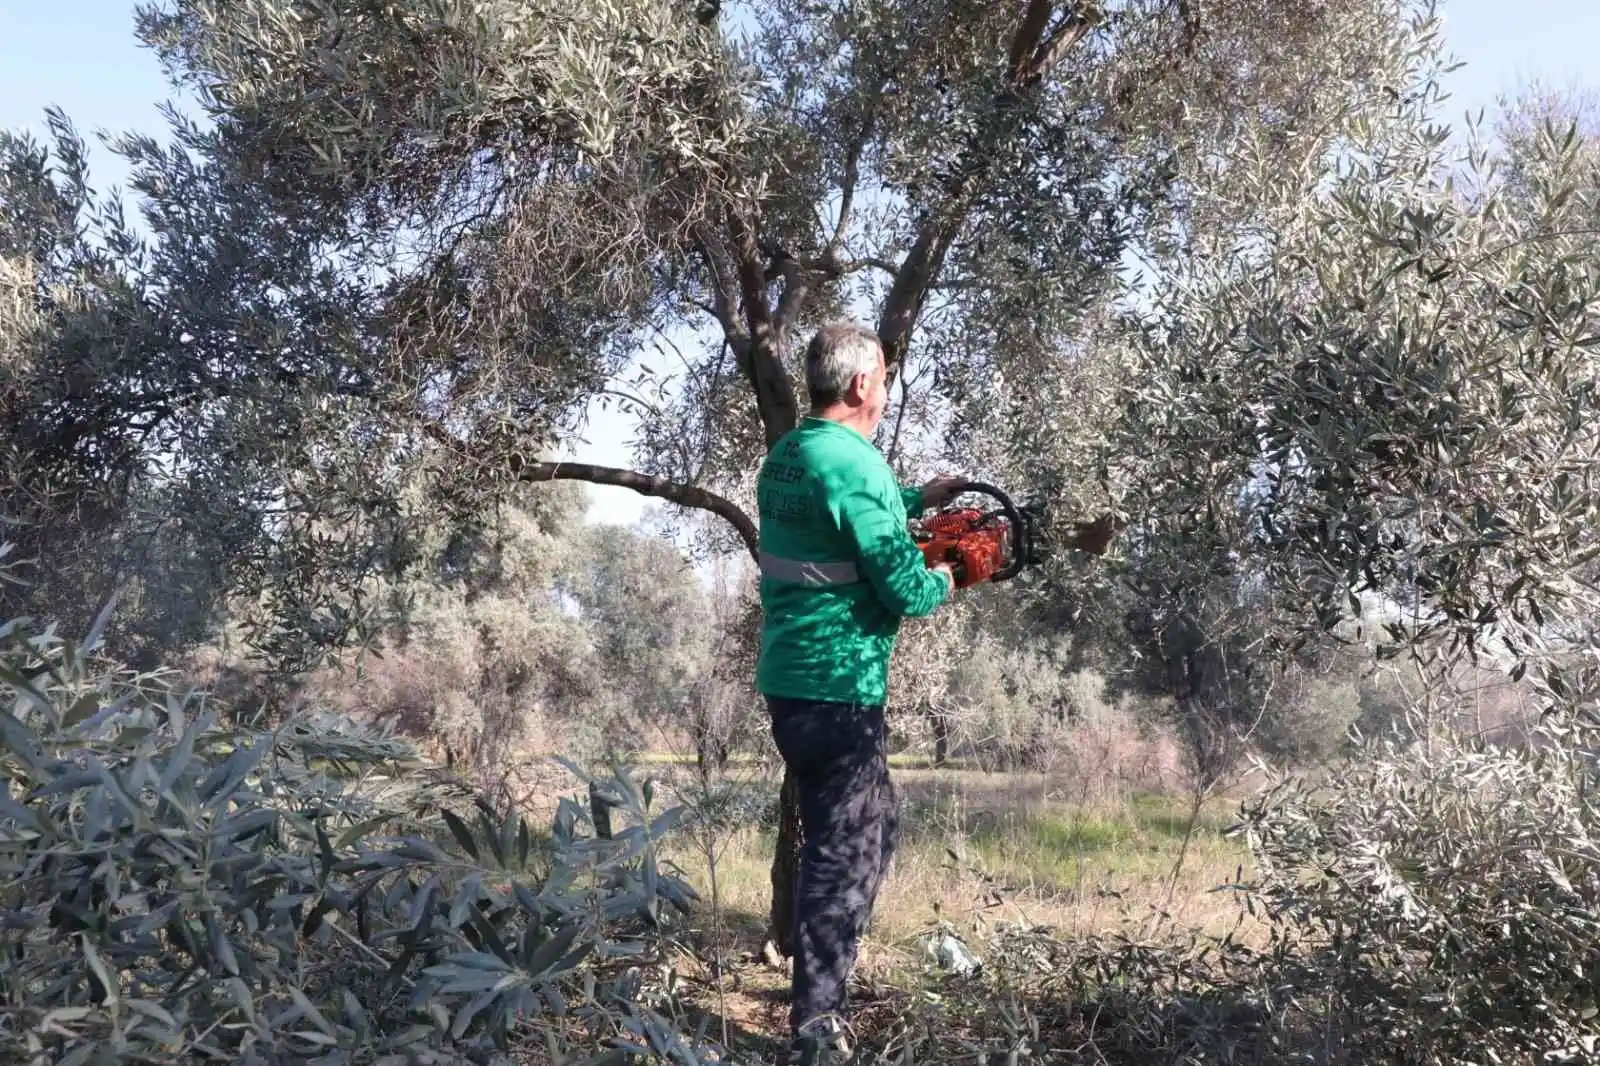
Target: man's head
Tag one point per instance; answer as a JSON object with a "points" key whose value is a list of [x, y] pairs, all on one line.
{"points": [[846, 376]]}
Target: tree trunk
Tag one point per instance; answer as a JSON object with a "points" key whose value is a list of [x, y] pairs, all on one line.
{"points": [[941, 737], [786, 866], [780, 412]]}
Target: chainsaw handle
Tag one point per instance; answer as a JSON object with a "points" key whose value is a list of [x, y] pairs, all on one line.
{"points": [[1022, 550]]}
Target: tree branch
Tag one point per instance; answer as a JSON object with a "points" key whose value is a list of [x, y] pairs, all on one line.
{"points": [[1025, 44], [781, 263], [795, 290], [1035, 50], [724, 290], [852, 178], [775, 399], [1072, 30], [833, 266], [645, 485]]}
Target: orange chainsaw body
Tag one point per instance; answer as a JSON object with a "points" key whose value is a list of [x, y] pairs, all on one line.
{"points": [[979, 546]]}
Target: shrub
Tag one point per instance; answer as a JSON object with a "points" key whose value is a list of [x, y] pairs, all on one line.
{"points": [[1433, 900], [1447, 895], [1310, 720], [1006, 700], [476, 676], [179, 890]]}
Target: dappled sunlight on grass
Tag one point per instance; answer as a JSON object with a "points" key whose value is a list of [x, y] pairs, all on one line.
{"points": [[978, 847], [1041, 848]]}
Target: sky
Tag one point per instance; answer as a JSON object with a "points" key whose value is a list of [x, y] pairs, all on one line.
{"points": [[81, 56]]}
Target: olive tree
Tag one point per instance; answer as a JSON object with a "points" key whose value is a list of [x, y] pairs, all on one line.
{"points": [[409, 242], [649, 620], [479, 650], [1355, 405]]}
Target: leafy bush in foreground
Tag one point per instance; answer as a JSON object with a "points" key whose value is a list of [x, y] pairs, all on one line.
{"points": [[181, 890], [1447, 894]]}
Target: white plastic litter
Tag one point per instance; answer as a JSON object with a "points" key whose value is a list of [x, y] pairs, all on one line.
{"points": [[951, 954]]}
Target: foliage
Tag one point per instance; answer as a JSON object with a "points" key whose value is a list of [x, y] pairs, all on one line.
{"points": [[183, 890], [1347, 412], [1446, 896], [725, 712], [1310, 717], [399, 249], [1008, 698], [68, 314], [650, 623], [481, 648], [1400, 383], [537, 630], [1362, 425]]}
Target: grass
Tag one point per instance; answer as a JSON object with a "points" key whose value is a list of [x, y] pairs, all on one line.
{"points": [[899, 760], [976, 848], [980, 846], [1077, 854], [1053, 850]]}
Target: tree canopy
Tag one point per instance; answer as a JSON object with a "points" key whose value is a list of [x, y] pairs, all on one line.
{"points": [[406, 243], [1205, 266]]}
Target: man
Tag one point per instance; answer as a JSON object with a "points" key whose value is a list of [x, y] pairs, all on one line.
{"points": [[839, 572]]}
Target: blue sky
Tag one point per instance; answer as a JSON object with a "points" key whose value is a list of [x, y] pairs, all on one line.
{"points": [[81, 55]]}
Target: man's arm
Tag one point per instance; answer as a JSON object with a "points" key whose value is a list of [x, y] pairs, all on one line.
{"points": [[888, 556]]}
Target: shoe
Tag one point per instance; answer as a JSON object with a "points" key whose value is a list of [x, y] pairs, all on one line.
{"points": [[822, 1041]]}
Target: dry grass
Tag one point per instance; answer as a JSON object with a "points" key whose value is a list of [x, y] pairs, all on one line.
{"points": [[975, 848], [980, 847]]}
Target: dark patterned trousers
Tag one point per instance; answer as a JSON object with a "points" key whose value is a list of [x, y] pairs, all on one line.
{"points": [[839, 757]]}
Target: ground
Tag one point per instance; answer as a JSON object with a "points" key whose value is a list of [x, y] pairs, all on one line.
{"points": [[977, 848]]}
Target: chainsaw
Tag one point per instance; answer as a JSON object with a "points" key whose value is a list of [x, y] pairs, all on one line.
{"points": [[979, 544]]}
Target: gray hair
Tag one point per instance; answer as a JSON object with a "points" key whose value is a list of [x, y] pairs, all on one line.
{"points": [[837, 353]]}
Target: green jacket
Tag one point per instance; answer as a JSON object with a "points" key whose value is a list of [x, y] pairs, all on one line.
{"points": [[839, 569]]}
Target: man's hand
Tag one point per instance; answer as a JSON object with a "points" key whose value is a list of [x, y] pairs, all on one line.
{"points": [[949, 573], [940, 491]]}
